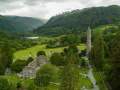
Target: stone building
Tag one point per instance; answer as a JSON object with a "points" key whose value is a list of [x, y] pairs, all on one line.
{"points": [[31, 69]]}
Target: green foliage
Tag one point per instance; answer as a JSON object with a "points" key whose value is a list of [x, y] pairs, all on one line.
{"points": [[2, 68], [18, 65], [109, 35], [30, 59], [70, 74], [71, 55], [4, 85], [19, 86], [41, 53], [79, 20], [57, 59], [15, 42], [82, 53], [70, 39], [70, 78], [113, 74], [97, 53], [19, 24], [6, 57], [65, 40], [31, 86], [45, 75], [72, 49], [83, 62]]}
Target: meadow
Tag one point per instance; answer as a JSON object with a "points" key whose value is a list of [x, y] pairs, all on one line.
{"points": [[24, 54]]}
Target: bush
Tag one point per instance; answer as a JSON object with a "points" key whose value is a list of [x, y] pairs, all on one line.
{"points": [[2, 69], [40, 53], [45, 75], [18, 65], [83, 53], [19, 85], [57, 59], [30, 59], [4, 85], [31, 86], [83, 62], [72, 49], [6, 53]]}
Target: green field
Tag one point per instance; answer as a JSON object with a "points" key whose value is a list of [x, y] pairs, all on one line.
{"points": [[24, 54]]}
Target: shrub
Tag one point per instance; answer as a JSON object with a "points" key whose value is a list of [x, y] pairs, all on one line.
{"points": [[30, 59], [45, 75], [4, 85], [2, 69], [40, 53], [57, 59], [83, 62], [83, 53], [19, 85], [18, 65], [71, 49]]}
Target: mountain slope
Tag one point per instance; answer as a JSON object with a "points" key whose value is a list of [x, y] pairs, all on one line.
{"points": [[79, 20], [19, 24]]}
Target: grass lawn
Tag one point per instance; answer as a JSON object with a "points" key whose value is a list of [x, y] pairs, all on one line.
{"points": [[24, 54]]}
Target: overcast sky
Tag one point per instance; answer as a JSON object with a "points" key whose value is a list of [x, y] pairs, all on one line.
{"points": [[47, 8]]}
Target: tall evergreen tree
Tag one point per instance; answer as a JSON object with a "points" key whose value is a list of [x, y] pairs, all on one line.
{"points": [[97, 53], [6, 57], [70, 78], [70, 75], [114, 74]]}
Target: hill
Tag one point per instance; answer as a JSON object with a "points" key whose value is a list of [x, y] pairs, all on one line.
{"points": [[79, 20], [19, 24]]}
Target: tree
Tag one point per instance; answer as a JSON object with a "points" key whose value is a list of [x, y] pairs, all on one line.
{"points": [[72, 49], [70, 39], [4, 85], [97, 53], [82, 53], [40, 53], [18, 65], [57, 59], [71, 55], [30, 59], [70, 78], [83, 62], [70, 74], [19, 86], [2, 69], [6, 57], [114, 74], [45, 75]]}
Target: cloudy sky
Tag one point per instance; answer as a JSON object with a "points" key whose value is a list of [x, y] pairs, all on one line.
{"points": [[47, 8]]}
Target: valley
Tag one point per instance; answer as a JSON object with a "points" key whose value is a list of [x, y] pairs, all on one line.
{"points": [[75, 50]]}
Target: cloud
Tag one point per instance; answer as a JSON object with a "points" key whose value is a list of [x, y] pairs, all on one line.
{"points": [[47, 8]]}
